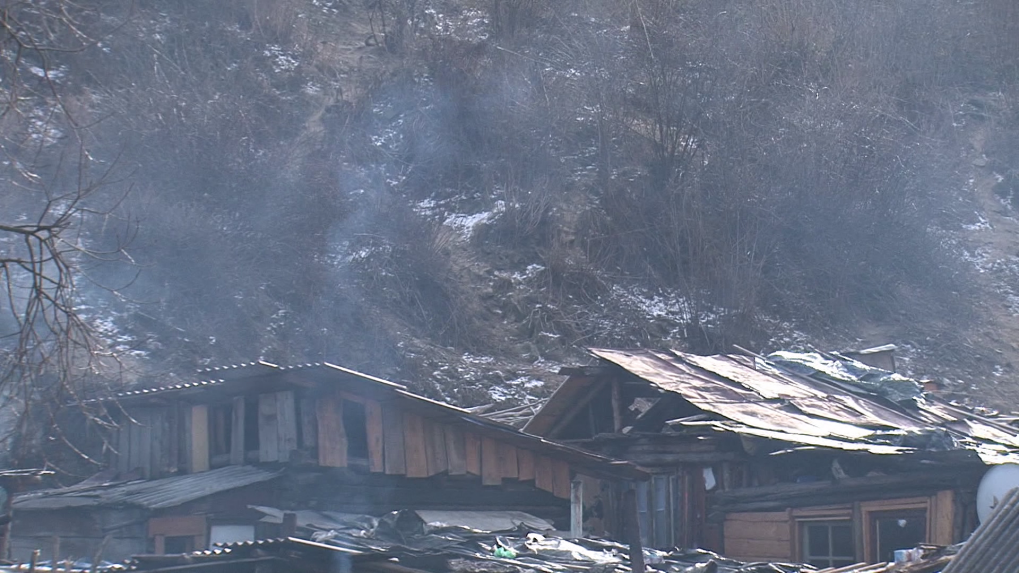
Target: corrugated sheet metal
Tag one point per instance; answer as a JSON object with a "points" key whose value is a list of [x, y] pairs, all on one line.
{"points": [[149, 494], [994, 546], [760, 399]]}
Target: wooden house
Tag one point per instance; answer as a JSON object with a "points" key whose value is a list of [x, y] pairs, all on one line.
{"points": [[192, 459], [762, 459]]}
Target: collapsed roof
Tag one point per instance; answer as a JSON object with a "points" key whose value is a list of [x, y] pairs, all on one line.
{"points": [[808, 400]]}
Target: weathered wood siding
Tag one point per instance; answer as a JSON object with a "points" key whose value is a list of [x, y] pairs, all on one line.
{"points": [[145, 443], [763, 536], [399, 442]]}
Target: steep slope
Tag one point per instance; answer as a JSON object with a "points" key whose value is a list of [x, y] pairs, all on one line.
{"points": [[464, 194]]}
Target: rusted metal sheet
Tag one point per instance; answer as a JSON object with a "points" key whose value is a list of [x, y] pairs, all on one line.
{"points": [[755, 397], [811, 440], [766, 386]]}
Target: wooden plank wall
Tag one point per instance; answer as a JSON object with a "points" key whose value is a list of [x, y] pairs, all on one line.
{"points": [[332, 436], [760, 536], [161, 440], [144, 443]]}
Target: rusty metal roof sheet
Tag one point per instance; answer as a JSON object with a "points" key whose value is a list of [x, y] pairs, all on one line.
{"points": [[148, 494], [762, 399]]}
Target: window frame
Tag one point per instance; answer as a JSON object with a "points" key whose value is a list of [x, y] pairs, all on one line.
{"points": [[870, 511], [804, 555]]}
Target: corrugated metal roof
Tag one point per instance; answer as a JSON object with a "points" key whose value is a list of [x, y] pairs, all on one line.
{"points": [[994, 546], [758, 398], [149, 494]]}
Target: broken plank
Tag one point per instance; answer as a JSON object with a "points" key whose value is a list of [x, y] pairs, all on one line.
{"points": [[543, 474], [561, 477], [309, 425], [435, 447], [508, 460], [525, 465], [237, 432], [286, 424], [472, 453], [268, 428], [373, 426], [332, 435], [491, 468], [199, 438], [392, 440], [414, 445], [455, 451]]}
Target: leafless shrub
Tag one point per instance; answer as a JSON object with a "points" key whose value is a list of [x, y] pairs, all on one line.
{"points": [[511, 16], [55, 192]]}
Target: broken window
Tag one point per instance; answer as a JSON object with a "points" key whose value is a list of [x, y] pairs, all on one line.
{"points": [[355, 424], [659, 511], [220, 425], [827, 543], [893, 530]]}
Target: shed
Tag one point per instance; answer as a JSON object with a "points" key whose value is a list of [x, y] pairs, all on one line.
{"points": [[312, 437]]}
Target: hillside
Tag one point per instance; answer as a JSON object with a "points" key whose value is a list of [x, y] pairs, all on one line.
{"points": [[464, 194]]}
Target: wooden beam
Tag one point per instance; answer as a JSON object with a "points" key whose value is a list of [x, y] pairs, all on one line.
{"points": [[392, 438], [631, 524], [268, 428], [414, 445], [576, 509], [525, 464], [577, 408], [332, 435], [544, 474], [508, 461], [472, 453], [286, 424], [435, 447], [237, 432], [491, 468], [456, 451], [376, 444], [561, 477], [199, 438]]}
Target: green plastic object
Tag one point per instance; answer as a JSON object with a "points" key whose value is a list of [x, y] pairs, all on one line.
{"points": [[505, 552]]}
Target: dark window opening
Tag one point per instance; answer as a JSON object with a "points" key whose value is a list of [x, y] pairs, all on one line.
{"points": [[897, 530], [220, 426], [179, 544], [251, 423], [828, 543], [355, 424]]}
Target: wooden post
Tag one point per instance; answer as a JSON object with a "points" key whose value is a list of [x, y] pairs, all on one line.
{"points": [[617, 413], [632, 527], [34, 561], [576, 509], [56, 553]]}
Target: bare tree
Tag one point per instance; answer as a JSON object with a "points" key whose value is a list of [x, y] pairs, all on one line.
{"points": [[57, 209]]}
